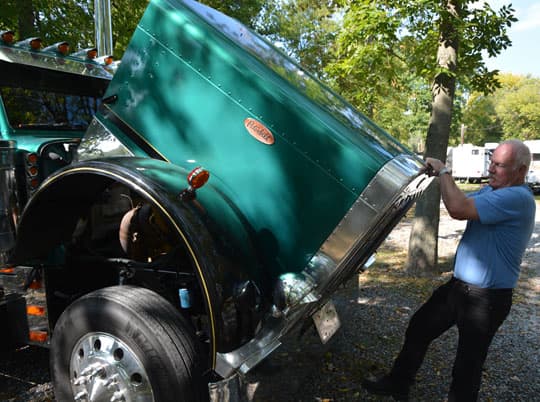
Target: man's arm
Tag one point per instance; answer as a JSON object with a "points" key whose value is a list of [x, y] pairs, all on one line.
{"points": [[458, 205]]}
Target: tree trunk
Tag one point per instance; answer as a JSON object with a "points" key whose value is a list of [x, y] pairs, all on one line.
{"points": [[26, 19], [423, 242]]}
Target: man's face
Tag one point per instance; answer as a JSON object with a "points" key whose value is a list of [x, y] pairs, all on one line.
{"points": [[503, 171]]}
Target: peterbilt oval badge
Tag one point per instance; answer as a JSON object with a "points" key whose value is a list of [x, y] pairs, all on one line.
{"points": [[259, 131]]}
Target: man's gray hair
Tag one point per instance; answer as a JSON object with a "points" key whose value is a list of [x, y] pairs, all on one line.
{"points": [[522, 154]]}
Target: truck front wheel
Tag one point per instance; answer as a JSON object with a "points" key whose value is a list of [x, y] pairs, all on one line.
{"points": [[125, 343]]}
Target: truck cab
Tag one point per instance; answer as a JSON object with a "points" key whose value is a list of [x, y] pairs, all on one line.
{"points": [[189, 211]]}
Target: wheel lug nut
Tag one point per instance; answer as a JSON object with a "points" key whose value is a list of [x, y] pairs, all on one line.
{"points": [[118, 396], [81, 380], [112, 382]]}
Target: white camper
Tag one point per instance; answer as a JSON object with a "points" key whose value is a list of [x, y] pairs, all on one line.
{"points": [[469, 163], [533, 177]]}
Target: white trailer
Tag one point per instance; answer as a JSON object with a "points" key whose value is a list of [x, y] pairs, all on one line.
{"points": [[533, 177], [469, 162]]}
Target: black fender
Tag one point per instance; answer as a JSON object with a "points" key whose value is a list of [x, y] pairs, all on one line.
{"points": [[51, 215]]}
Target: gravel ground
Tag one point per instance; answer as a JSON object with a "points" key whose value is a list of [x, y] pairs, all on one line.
{"points": [[374, 310]]}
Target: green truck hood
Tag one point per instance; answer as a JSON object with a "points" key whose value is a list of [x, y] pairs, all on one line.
{"points": [[197, 88]]}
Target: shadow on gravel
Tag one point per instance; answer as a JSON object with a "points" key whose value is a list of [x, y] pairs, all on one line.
{"points": [[374, 309]]}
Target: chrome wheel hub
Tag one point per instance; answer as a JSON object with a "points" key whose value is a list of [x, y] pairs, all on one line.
{"points": [[104, 369]]}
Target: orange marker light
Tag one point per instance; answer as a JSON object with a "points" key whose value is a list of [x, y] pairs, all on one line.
{"points": [[7, 270], [35, 310], [35, 44], [32, 158], [88, 53], [63, 48], [198, 177], [32, 171], [36, 285], [105, 60], [38, 336], [8, 37], [59, 47]]}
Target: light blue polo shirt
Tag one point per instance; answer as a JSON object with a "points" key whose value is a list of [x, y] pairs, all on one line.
{"points": [[490, 251]]}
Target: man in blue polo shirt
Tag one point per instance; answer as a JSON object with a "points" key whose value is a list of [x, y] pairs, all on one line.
{"points": [[486, 268]]}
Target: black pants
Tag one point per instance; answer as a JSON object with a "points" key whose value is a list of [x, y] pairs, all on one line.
{"points": [[477, 312]]}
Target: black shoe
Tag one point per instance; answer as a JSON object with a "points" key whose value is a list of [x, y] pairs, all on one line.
{"points": [[387, 385]]}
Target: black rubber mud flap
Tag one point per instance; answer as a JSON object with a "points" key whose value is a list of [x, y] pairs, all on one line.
{"points": [[13, 320]]}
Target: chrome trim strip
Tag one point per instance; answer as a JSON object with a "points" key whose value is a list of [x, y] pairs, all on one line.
{"points": [[133, 134], [9, 206], [42, 59], [389, 194], [249, 355], [99, 142], [232, 389], [389, 188]]}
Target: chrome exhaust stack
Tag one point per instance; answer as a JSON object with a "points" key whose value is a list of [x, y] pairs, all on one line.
{"points": [[8, 199]]}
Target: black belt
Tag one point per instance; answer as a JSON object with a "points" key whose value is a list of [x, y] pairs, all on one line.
{"points": [[480, 290]]}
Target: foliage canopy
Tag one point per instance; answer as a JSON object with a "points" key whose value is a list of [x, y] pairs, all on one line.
{"points": [[73, 21]]}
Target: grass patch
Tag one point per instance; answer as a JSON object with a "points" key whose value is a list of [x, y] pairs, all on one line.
{"points": [[389, 273]]}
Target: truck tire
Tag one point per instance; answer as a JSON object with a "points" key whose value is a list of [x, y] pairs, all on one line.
{"points": [[125, 343]]}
